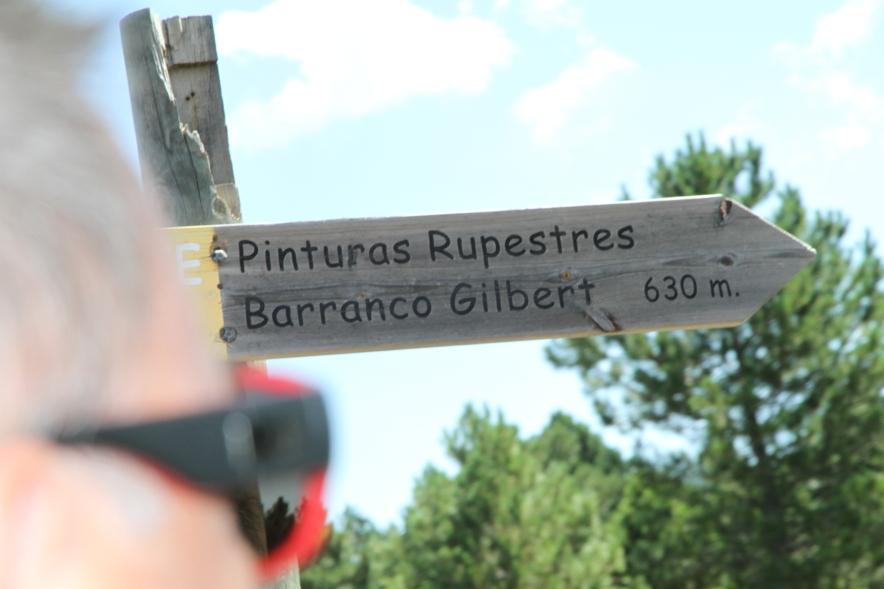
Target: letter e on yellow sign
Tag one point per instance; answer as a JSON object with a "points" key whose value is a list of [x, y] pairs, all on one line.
{"points": [[199, 273]]}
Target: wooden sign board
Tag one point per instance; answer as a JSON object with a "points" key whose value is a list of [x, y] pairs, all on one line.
{"points": [[324, 287]]}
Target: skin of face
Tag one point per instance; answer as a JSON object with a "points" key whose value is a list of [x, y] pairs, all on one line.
{"points": [[96, 518], [90, 517]]}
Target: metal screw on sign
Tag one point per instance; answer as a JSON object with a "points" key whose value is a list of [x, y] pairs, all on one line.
{"points": [[227, 334], [219, 255]]}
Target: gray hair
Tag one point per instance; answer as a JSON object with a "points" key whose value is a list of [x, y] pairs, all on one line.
{"points": [[73, 227]]}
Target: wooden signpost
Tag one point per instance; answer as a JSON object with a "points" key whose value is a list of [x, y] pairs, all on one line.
{"points": [[297, 289], [180, 128]]}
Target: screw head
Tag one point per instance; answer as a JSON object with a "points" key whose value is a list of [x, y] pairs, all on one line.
{"points": [[219, 255], [227, 334]]}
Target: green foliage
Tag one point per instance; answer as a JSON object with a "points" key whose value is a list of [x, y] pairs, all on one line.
{"points": [[517, 514], [357, 556], [786, 410], [783, 487], [278, 522]]}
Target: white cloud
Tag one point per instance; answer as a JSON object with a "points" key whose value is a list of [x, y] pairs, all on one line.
{"points": [[840, 89], [846, 137], [551, 13], [547, 108], [537, 13], [355, 58], [846, 27], [743, 126], [821, 68], [849, 25]]}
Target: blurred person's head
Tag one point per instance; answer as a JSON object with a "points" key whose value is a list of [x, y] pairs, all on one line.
{"points": [[93, 329]]}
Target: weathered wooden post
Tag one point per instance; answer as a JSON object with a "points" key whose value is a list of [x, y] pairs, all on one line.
{"points": [[328, 287], [183, 148], [179, 116]]}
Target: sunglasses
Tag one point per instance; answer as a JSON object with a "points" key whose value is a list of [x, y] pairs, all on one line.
{"points": [[272, 443]]}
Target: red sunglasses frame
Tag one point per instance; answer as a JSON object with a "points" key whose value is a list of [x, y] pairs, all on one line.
{"points": [[213, 468], [304, 542]]}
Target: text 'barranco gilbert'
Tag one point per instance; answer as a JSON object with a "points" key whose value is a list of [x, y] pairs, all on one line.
{"points": [[297, 289]]}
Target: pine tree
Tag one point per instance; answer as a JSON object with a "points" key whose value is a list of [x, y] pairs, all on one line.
{"points": [[517, 514], [786, 411], [783, 487]]}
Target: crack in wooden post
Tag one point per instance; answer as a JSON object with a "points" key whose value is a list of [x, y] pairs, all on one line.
{"points": [[175, 91], [604, 320], [172, 154]]}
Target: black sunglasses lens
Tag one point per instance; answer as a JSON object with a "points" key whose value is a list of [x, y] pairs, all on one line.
{"points": [[290, 442], [267, 512]]}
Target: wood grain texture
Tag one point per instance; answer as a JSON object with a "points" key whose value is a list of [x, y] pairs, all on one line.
{"points": [[190, 41], [182, 143], [193, 70], [711, 261], [173, 158]]}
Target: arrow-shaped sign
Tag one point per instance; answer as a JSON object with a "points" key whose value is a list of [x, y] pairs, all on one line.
{"points": [[369, 284]]}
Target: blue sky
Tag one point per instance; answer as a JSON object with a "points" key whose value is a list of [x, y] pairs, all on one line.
{"points": [[352, 109]]}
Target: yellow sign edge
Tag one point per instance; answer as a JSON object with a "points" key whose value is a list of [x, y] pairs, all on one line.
{"points": [[193, 246]]}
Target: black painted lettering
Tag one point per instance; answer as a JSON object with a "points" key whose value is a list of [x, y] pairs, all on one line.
{"points": [[671, 292], [719, 287], [586, 287], [538, 243], [511, 243], [308, 249], [378, 254], [301, 308], [422, 307], [369, 303], [558, 234], [286, 312], [602, 239], [462, 304], [439, 248], [289, 252], [626, 242], [512, 293], [540, 296], [471, 255], [350, 312], [339, 263], [255, 308], [562, 290], [245, 257], [400, 249], [575, 238], [352, 256], [393, 311], [688, 286], [267, 256], [490, 248], [325, 306]]}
